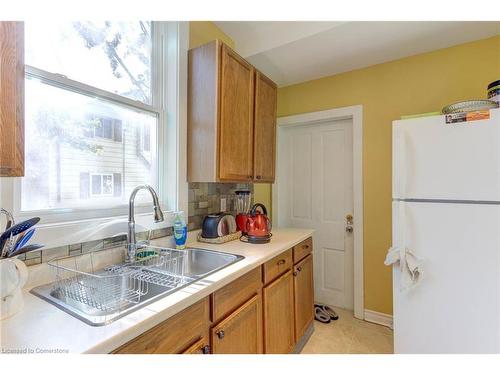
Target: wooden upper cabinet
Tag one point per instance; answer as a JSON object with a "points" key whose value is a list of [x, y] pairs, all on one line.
{"points": [[236, 118], [11, 99], [266, 93], [228, 113]]}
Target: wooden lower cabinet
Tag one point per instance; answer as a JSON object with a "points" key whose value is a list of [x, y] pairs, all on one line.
{"points": [[279, 335], [243, 317], [241, 331], [304, 295], [202, 346], [175, 335]]}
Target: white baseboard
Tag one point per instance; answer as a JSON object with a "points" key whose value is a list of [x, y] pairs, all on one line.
{"points": [[378, 318]]}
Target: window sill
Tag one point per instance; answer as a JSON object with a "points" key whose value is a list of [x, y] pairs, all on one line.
{"points": [[73, 232]]}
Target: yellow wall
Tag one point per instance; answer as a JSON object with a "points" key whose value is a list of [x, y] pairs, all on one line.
{"points": [[262, 194], [201, 32], [421, 83]]}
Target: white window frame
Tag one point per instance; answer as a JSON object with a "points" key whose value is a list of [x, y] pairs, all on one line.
{"points": [[169, 91], [91, 193]]}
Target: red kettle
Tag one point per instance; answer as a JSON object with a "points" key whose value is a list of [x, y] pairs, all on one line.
{"points": [[258, 225]]}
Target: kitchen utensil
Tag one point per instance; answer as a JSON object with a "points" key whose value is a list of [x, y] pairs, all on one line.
{"points": [[15, 230], [13, 276], [220, 240], [243, 201], [494, 91], [469, 106], [218, 225], [258, 225], [24, 238], [9, 224], [25, 249]]}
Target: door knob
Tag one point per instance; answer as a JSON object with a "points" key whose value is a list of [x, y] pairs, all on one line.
{"points": [[349, 229], [349, 219]]}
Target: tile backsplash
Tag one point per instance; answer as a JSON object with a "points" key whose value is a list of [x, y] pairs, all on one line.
{"points": [[45, 255], [204, 199]]}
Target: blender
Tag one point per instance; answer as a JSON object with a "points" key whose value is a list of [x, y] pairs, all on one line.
{"points": [[243, 202]]}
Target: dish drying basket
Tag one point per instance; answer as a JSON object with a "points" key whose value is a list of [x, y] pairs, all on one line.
{"points": [[157, 266], [113, 288]]}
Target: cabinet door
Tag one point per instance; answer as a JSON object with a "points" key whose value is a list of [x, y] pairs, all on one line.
{"points": [[240, 332], [264, 129], [201, 346], [279, 336], [304, 295], [11, 99], [236, 118], [175, 335]]}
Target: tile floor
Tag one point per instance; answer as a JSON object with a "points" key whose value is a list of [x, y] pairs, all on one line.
{"points": [[349, 335]]}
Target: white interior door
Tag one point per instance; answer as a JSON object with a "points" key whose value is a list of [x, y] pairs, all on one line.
{"points": [[316, 191]]}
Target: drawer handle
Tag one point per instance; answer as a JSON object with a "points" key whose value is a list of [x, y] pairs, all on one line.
{"points": [[220, 334], [281, 261], [205, 349]]}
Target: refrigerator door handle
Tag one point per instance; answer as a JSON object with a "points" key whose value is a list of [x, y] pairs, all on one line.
{"points": [[402, 163], [402, 233], [399, 168]]}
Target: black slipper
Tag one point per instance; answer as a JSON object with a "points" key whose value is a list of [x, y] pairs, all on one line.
{"points": [[328, 311], [320, 315]]}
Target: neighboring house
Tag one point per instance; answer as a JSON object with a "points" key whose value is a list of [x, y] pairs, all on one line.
{"points": [[83, 177]]}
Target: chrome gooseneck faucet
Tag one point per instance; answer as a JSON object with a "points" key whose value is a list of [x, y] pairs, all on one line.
{"points": [[158, 216]]}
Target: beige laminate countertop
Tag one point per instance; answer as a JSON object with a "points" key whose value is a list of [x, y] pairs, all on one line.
{"points": [[42, 327]]}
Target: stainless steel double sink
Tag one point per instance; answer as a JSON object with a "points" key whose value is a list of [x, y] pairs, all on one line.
{"points": [[88, 296]]}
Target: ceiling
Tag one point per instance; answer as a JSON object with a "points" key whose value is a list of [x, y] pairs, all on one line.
{"points": [[292, 52]]}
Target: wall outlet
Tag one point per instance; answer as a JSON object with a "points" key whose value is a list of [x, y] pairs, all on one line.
{"points": [[223, 206]]}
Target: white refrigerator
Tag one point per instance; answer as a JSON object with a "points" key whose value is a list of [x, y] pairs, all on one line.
{"points": [[446, 210]]}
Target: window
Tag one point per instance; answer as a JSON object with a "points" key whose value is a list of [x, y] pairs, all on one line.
{"points": [[104, 112], [89, 104], [104, 127], [100, 184]]}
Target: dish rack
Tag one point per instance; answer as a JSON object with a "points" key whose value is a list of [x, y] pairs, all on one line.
{"points": [[113, 288]]}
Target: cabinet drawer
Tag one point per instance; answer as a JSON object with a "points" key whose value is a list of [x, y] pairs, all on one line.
{"points": [[174, 335], [277, 266], [233, 295], [301, 250]]}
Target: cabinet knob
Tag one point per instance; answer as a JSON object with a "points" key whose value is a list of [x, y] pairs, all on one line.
{"points": [[259, 177], [295, 273], [299, 268], [281, 261], [220, 334], [205, 349]]}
